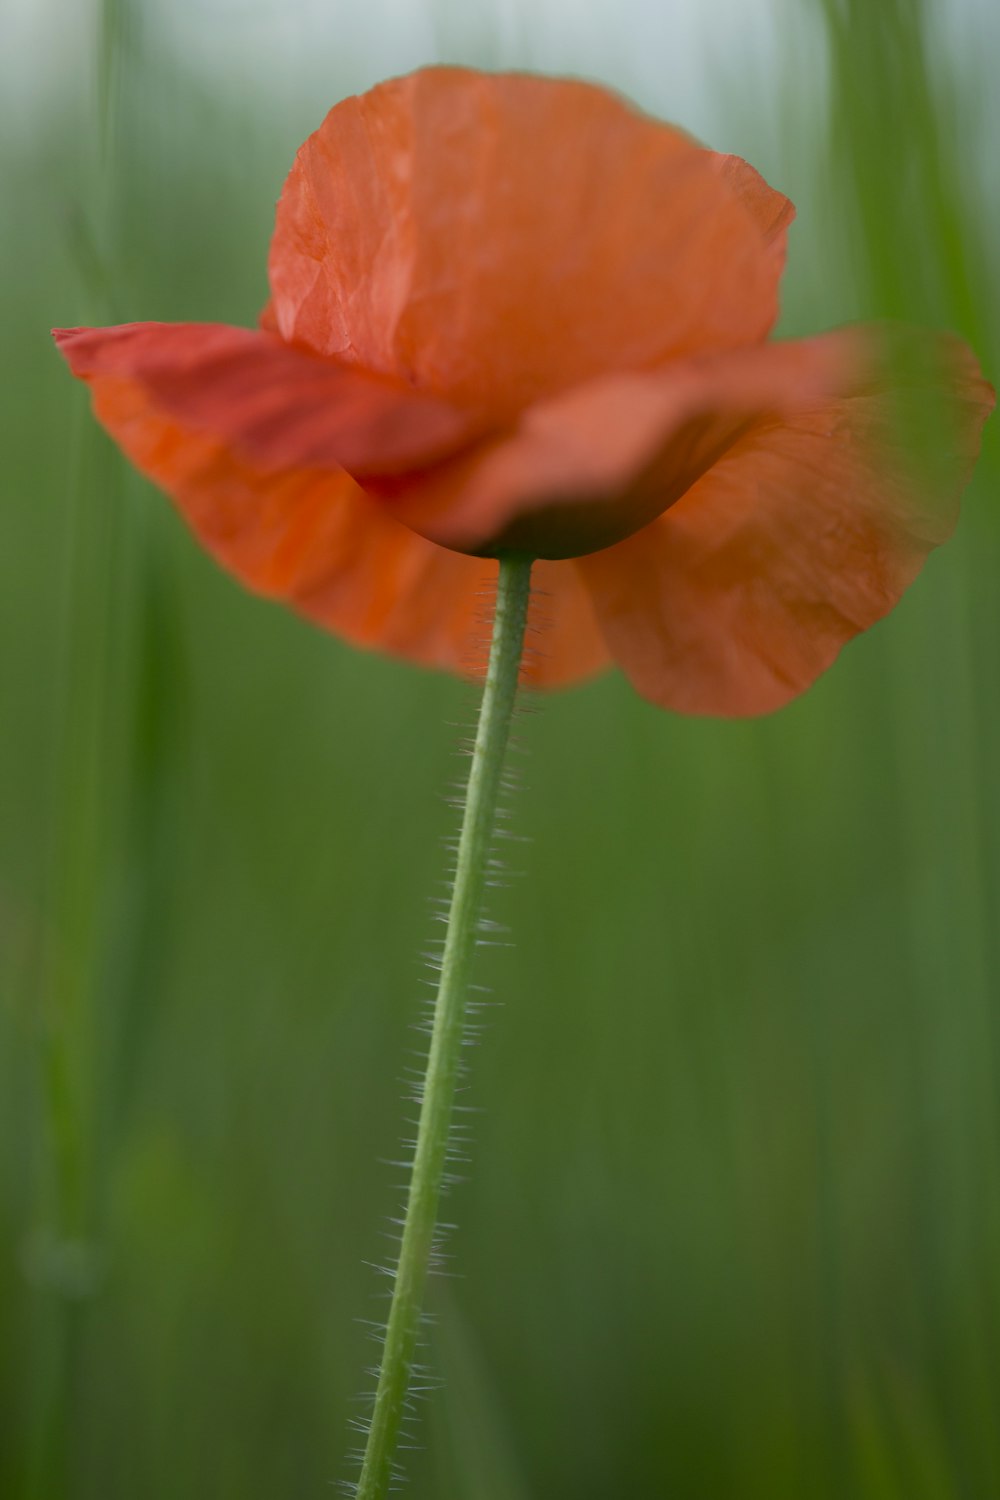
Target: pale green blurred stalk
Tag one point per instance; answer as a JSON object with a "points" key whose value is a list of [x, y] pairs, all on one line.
{"points": [[65, 1259], [898, 155]]}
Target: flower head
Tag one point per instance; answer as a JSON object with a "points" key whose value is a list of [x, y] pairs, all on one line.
{"points": [[509, 313]]}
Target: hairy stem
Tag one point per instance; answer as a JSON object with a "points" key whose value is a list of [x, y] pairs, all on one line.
{"points": [[446, 1036]]}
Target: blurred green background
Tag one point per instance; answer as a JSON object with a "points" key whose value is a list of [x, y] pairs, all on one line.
{"points": [[733, 1228]]}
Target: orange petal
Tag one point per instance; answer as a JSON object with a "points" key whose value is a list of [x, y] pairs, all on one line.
{"points": [[275, 405], [314, 540], [589, 467], [499, 237], [806, 532], [771, 211], [563, 643]]}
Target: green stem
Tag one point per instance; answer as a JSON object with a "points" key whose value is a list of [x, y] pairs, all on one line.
{"points": [[438, 1093]]}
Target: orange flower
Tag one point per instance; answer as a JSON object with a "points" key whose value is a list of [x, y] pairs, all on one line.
{"points": [[510, 313]]}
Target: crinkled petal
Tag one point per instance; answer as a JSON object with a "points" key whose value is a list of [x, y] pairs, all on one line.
{"points": [[770, 210], [589, 467], [563, 641], [804, 533], [312, 539], [274, 405], [500, 237]]}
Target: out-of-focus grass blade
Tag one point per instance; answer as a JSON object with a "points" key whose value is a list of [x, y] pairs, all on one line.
{"points": [[475, 1447]]}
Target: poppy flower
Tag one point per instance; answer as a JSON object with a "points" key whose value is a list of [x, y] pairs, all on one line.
{"points": [[511, 313]]}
